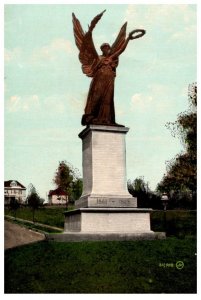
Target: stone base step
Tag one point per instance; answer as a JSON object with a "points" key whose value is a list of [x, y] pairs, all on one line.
{"points": [[98, 236]]}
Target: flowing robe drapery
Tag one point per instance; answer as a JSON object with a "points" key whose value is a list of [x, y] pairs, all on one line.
{"points": [[100, 101]]}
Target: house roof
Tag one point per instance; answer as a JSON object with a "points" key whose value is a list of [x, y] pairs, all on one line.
{"points": [[58, 192], [8, 182]]}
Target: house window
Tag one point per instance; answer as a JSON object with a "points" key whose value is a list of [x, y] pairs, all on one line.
{"points": [[13, 183]]}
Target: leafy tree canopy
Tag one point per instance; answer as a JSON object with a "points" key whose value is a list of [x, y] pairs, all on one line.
{"points": [[67, 178], [33, 199], [145, 197], [181, 176]]}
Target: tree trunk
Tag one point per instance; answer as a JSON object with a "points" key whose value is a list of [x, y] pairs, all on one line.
{"points": [[33, 215], [66, 202]]}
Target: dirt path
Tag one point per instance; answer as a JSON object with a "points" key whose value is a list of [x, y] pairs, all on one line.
{"points": [[16, 235]]}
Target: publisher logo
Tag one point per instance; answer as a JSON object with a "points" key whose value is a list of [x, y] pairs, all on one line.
{"points": [[179, 265]]}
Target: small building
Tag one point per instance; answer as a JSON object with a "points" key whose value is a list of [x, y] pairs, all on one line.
{"points": [[13, 189], [57, 196]]}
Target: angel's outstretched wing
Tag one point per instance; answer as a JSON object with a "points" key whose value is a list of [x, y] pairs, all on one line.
{"points": [[120, 40], [78, 31], [84, 41]]}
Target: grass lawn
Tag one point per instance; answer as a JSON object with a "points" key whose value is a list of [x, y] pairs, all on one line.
{"points": [[102, 267], [52, 216], [34, 226]]}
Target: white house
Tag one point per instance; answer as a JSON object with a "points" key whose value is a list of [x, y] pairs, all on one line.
{"points": [[13, 189], [57, 197]]}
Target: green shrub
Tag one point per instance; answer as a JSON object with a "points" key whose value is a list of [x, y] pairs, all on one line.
{"points": [[174, 222]]}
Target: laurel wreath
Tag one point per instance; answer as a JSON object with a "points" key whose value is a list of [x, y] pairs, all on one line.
{"points": [[140, 32]]}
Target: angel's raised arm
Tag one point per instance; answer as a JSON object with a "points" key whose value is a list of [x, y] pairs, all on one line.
{"points": [[121, 41]]}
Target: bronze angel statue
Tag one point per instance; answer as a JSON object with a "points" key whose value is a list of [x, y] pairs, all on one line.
{"points": [[99, 108]]}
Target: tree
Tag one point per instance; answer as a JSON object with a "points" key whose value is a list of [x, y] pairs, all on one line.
{"points": [[42, 200], [76, 189], [67, 179], [180, 182], [14, 205], [33, 200], [138, 188], [145, 197]]}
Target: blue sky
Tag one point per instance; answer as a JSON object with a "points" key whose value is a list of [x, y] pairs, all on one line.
{"points": [[45, 90]]}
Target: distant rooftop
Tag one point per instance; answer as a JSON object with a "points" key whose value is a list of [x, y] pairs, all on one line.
{"points": [[13, 184], [58, 192]]}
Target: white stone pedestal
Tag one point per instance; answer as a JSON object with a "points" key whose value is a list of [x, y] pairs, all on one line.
{"points": [[100, 224], [108, 220], [104, 168], [105, 211]]}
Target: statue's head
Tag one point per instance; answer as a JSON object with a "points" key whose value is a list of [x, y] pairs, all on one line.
{"points": [[105, 47]]}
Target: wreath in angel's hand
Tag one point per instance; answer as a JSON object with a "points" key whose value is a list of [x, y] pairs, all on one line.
{"points": [[137, 33]]}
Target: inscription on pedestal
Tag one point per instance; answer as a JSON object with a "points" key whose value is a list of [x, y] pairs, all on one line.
{"points": [[116, 202], [106, 202], [102, 201]]}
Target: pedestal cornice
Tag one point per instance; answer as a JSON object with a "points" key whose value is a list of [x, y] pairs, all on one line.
{"points": [[104, 128]]}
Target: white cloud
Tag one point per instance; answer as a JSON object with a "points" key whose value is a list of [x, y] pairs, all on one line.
{"points": [[160, 15], [54, 104], [163, 21], [10, 55], [188, 33], [52, 135], [120, 111], [140, 101], [157, 97], [78, 103], [17, 103], [52, 51], [14, 103], [46, 53], [61, 44], [158, 89]]}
